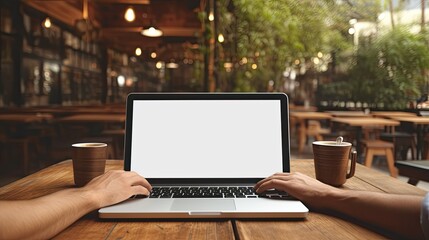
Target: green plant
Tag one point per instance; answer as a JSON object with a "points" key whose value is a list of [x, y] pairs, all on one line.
{"points": [[388, 71]]}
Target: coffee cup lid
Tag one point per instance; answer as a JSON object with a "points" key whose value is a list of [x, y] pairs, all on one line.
{"points": [[332, 143]]}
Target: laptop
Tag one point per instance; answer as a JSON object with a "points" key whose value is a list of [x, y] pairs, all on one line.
{"points": [[204, 152]]}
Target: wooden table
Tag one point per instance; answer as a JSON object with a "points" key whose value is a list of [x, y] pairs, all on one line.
{"points": [[392, 114], [91, 118], [316, 226], [348, 114], [14, 129], [421, 123], [300, 108], [24, 117], [360, 122], [68, 110], [416, 170], [302, 119]]}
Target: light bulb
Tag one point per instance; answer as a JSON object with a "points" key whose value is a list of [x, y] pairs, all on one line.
{"points": [[211, 17], [138, 51], [47, 23], [130, 15], [220, 38]]}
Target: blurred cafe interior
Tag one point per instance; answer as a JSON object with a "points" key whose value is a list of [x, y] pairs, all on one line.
{"points": [[67, 67]]}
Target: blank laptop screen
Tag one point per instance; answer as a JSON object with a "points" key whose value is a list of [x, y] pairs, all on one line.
{"points": [[206, 138]]}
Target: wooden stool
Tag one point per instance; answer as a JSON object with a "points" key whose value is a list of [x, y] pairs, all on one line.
{"points": [[381, 148]]}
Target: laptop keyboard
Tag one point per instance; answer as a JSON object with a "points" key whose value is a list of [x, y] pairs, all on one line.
{"points": [[211, 192]]}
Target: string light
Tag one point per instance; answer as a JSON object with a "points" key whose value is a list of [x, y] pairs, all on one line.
{"points": [[211, 17], [47, 23], [220, 38], [138, 51]]}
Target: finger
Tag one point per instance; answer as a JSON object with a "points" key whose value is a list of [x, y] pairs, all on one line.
{"points": [[278, 183], [136, 179], [276, 175], [139, 190]]}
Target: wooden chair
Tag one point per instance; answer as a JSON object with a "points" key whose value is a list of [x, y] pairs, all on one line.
{"points": [[380, 148], [117, 136], [425, 154], [403, 143], [315, 130], [23, 145]]}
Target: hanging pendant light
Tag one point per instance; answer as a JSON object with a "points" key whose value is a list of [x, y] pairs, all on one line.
{"points": [[151, 32], [130, 15]]}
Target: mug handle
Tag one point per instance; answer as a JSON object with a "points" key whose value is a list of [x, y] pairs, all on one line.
{"points": [[352, 165]]}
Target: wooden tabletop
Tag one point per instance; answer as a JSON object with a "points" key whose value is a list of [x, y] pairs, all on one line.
{"points": [[113, 118], [416, 120], [316, 226], [299, 108], [392, 114], [365, 121], [24, 118], [348, 114], [310, 115]]}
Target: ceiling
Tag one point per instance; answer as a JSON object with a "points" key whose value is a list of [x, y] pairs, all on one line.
{"points": [[178, 19]]}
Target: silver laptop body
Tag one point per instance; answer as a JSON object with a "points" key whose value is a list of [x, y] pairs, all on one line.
{"points": [[203, 153]]}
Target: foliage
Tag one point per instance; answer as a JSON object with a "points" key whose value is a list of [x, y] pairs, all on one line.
{"points": [[389, 71], [274, 33]]}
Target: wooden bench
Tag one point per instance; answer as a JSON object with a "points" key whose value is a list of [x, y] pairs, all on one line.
{"points": [[416, 170]]}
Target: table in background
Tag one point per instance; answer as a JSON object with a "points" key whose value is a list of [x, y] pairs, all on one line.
{"points": [[24, 117], [348, 114], [22, 130], [301, 108], [360, 122], [387, 114], [94, 118], [302, 119], [416, 170], [316, 226], [422, 123]]}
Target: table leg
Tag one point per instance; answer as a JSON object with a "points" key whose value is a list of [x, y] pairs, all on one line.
{"points": [[301, 135], [419, 141]]}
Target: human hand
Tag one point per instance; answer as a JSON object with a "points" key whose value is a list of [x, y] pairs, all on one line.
{"points": [[116, 186], [312, 192]]}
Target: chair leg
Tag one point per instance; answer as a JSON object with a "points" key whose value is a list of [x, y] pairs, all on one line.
{"points": [[391, 163], [369, 155], [413, 153]]}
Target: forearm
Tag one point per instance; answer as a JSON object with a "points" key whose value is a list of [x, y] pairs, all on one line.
{"points": [[397, 213], [44, 217]]}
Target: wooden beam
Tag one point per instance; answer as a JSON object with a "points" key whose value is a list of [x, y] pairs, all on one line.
{"points": [[61, 10]]}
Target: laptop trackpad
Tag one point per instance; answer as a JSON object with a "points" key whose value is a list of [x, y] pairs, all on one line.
{"points": [[203, 204]]}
